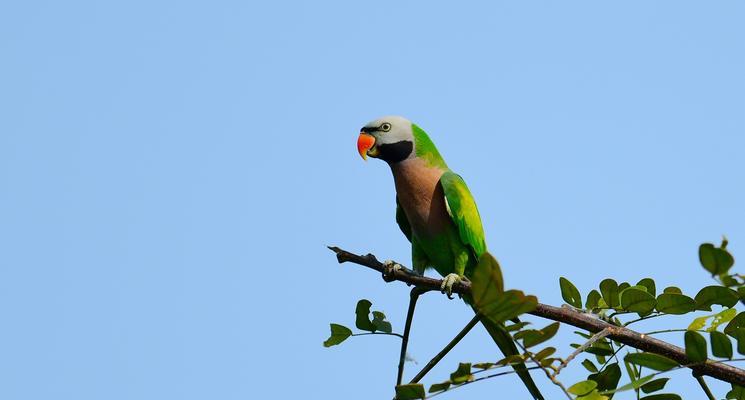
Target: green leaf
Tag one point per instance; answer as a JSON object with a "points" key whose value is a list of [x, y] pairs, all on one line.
{"points": [[675, 303], [737, 322], [590, 366], [516, 326], [532, 337], [584, 335], [720, 345], [672, 290], [546, 362], [716, 260], [487, 289], [380, 323], [439, 387], [544, 353], [339, 333], [599, 348], [662, 396], [594, 395], [507, 306], [649, 284], [651, 360], [570, 293], [410, 391], [699, 323], [487, 278], [633, 385], [729, 281], [740, 337], [609, 290], [462, 374], [602, 344], [512, 359], [638, 301], [608, 378], [582, 388], [722, 317], [737, 393], [598, 351], [592, 299], [484, 365], [716, 295], [631, 370], [695, 347], [363, 316], [655, 385]]}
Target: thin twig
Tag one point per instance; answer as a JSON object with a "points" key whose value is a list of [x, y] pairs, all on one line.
{"points": [[545, 370], [614, 350], [431, 364], [644, 318], [379, 333], [609, 359], [605, 332], [451, 388], [674, 330], [704, 387], [414, 296], [723, 372]]}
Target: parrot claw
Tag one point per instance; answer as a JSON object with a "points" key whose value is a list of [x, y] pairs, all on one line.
{"points": [[447, 284], [391, 267]]}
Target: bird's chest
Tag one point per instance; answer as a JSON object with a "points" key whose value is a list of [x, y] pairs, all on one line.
{"points": [[422, 199]]}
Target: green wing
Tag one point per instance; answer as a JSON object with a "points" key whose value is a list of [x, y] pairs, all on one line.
{"points": [[402, 221], [463, 212]]}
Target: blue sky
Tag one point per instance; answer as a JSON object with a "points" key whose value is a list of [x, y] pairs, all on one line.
{"points": [[170, 173]]}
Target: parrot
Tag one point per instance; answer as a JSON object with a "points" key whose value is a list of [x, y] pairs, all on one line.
{"points": [[435, 211]]}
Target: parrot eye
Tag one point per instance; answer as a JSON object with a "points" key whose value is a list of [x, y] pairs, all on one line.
{"points": [[385, 127]]}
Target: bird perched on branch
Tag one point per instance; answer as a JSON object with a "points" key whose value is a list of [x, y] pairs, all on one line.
{"points": [[436, 212]]}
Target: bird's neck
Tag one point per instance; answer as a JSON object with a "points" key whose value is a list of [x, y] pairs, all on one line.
{"points": [[414, 171]]}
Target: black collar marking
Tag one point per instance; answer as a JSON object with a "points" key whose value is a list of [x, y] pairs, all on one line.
{"points": [[395, 152]]}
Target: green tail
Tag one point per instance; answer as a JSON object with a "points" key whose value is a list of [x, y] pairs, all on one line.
{"points": [[508, 347]]}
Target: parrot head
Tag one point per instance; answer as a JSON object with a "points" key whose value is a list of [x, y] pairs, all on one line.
{"points": [[390, 139]]}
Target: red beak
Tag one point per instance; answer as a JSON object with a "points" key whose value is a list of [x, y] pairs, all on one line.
{"points": [[364, 143]]}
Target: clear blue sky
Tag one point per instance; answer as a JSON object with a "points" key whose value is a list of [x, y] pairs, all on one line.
{"points": [[170, 173]]}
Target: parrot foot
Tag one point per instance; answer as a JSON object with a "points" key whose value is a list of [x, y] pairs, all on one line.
{"points": [[391, 267], [447, 284]]}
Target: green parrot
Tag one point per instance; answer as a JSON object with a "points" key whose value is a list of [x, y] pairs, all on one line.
{"points": [[435, 211]]}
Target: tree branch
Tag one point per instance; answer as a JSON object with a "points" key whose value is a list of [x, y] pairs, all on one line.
{"points": [[567, 315]]}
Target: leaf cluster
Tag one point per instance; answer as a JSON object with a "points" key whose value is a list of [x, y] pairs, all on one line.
{"points": [[378, 324], [612, 300]]}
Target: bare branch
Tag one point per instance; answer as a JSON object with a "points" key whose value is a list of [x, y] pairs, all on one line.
{"points": [[551, 377], [570, 316], [605, 332]]}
